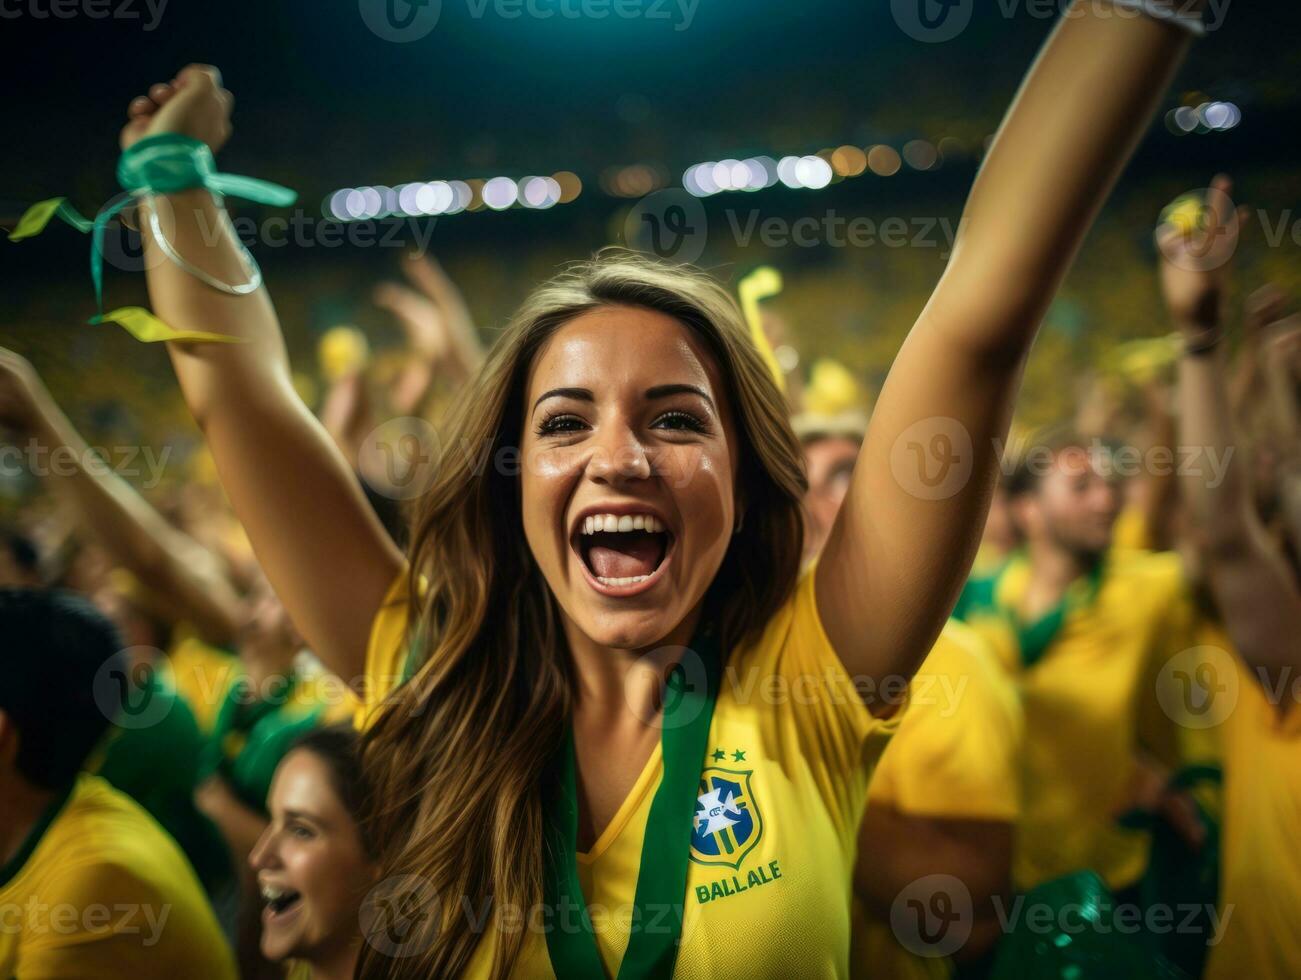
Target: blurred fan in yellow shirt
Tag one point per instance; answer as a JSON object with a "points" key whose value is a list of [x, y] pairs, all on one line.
{"points": [[90, 884], [936, 841], [1086, 629]]}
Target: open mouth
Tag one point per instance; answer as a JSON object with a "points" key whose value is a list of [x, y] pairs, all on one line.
{"points": [[279, 901], [622, 552]]}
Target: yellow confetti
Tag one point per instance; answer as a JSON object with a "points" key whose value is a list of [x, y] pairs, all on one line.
{"points": [[35, 218], [762, 283], [144, 326]]}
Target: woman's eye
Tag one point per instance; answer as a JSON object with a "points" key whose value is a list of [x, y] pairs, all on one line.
{"points": [[301, 832], [554, 424], [679, 420]]}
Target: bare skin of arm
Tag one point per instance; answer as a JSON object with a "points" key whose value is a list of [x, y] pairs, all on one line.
{"points": [[164, 558], [321, 546], [897, 556], [1282, 366], [1253, 587], [976, 852]]}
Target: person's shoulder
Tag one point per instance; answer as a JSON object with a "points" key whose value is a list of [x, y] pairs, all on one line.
{"points": [[99, 818], [104, 840], [1154, 572], [967, 655]]}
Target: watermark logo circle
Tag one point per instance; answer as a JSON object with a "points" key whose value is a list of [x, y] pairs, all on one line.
{"points": [[932, 458], [669, 224], [932, 917], [399, 459], [394, 914], [1198, 688], [932, 21], [682, 694], [122, 245], [1185, 238], [127, 691], [400, 21]]}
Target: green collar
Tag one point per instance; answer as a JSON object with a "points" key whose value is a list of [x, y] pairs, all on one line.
{"points": [[1034, 638]]}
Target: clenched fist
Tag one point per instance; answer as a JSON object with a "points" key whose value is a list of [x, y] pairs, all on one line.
{"points": [[193, 104]]}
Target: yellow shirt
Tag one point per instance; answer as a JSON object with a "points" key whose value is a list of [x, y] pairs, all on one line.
{"points": [[793, 746], [203, 673], [106, 893], [956, 756], [1091, 703], [1260, 864]]}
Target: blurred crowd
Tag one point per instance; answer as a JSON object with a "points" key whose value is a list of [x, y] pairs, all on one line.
{"points": [[1108, 722]]}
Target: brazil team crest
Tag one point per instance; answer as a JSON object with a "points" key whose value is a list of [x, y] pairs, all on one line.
{"points": [[727, 824]]}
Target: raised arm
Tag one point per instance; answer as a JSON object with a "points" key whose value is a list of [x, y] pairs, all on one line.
{"points": [[323, 549], [164, 558], [1253, 587], [911, 523]]}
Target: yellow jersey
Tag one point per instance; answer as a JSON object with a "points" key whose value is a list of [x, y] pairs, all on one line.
{"points": [[956, 756], [99, 890], [792, 746], [1260, 865], [1092, 702]]}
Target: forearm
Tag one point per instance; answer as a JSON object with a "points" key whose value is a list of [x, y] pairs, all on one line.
{"points": [[137, 536], [1076, 120], [1220, 508], [322, 547]]}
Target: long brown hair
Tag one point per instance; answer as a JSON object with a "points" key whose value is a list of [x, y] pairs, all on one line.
{"points": [[458, 759]]}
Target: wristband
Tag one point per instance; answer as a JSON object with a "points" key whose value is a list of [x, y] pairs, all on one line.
{"points": [[1204, 343], [166, 163], [1192, 23]]}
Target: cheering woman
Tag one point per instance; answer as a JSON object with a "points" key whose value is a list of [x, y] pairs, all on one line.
{"points": [[612, 730]]}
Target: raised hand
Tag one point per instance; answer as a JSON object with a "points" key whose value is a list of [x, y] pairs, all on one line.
{"points": [[1195, 260], [193, 104]]}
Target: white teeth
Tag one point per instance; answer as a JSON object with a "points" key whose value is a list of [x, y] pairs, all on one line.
{"points": [[630, 580], [610, 523], [271, 893]]}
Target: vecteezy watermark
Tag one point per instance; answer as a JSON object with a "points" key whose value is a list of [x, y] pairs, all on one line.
{"points": [[402, 458], [936, 21], [1201, 687], [150, 11], [1198, 687], [34, 919], [834, 230], [127, 461], [128, 693], [680, 14], [932, 21], [1122, 918], [669, 224], [1119, 462], [932, 459], [123, 244], [932, 916], [402, 21]]}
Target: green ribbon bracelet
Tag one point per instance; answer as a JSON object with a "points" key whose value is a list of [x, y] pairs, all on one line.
{"points": [[166, 163]]}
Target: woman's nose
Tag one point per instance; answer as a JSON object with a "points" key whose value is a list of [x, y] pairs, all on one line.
{"points": [[263, 853], [619, 455]]}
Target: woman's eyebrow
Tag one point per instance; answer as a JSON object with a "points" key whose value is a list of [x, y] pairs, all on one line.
{"points": [[581, 394], [664, 391]]}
